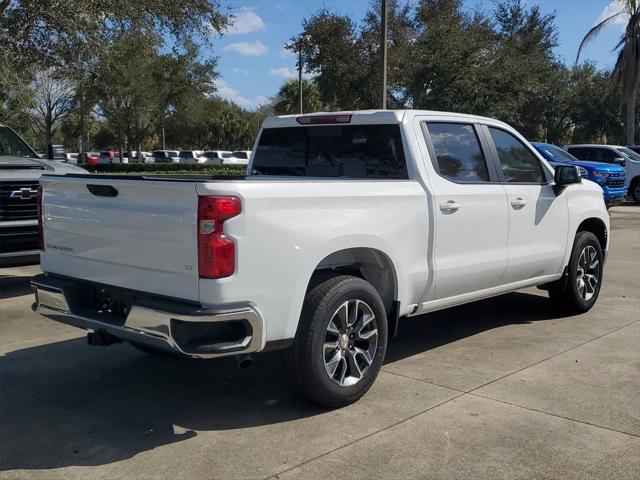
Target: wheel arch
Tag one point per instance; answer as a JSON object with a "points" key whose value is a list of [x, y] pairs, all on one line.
{"points": [[598, 228], [370, 264]]}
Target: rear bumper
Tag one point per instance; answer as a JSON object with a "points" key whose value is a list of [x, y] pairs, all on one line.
{"points": [[170, 325]]}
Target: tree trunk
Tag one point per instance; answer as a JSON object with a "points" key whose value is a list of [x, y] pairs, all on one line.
{"points": [[630, 119], [83, 146], [47, 135], [120, 149]]}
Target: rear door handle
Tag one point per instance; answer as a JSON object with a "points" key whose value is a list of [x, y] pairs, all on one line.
{"points": [[449, 207], [518, 203]]}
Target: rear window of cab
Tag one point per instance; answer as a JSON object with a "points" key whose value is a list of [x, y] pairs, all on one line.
{"points": [[344, 151]]}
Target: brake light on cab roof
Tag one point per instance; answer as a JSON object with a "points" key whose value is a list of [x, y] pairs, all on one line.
{"points": [[320, 119]]}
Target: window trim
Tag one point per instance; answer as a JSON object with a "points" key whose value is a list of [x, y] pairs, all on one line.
{"points": [[546, 175], [491, 171]]}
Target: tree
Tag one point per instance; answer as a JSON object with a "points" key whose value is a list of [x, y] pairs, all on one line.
{"points": [[286, 101], [36, 31], [46, 96], [138, 88], [626, 72]]}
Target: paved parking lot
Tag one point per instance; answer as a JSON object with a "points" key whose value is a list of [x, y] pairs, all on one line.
{"points": [[503, 388]]}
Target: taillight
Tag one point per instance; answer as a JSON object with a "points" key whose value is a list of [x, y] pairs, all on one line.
{"points": [[216, 251], [40, 220]]}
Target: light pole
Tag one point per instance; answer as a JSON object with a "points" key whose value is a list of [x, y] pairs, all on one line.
{"points": [[300, 75], [383, 55]]}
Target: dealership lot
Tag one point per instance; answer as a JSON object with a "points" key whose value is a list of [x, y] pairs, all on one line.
{"points": [[502, 388]]}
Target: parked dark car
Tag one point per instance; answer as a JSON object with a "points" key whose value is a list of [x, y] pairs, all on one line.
{"points": [[20, 170]]}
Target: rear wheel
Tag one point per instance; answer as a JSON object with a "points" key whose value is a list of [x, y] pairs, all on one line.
{"points": [[582, 287], [341, 342]]}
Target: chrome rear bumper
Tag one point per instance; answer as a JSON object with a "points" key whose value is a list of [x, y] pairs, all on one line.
{"points": [[163, 325]]}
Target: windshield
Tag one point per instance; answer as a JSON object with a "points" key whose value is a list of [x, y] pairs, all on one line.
{"points": [[556, 153], [629, 153], [12, 144], [226, 155]]}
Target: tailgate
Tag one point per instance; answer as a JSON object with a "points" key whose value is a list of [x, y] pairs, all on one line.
{"points": [[132, 233]]}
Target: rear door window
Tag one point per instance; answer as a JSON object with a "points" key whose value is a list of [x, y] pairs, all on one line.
{"points": [[459, 156], [350, 151], [603, 155], [582, 153], [518, 163]]}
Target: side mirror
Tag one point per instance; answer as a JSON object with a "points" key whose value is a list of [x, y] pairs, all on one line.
{"points": [[620, 161], [565, 175]]}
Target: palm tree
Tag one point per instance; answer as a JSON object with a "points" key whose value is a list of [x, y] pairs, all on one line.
{"points": [[626, 72]]}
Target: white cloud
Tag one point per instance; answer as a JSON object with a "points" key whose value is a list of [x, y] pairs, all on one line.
{"points": [[227, 92], [248, 49], [246, 21], [284, 53], [612, 8], [284, 72], [240, 71]]}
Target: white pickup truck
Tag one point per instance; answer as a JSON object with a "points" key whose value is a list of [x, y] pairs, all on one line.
{"points": [[345, 223]]}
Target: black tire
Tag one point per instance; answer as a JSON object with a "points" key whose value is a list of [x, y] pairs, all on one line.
{"points": [[305, 359], [567, 295], [634, 190]]}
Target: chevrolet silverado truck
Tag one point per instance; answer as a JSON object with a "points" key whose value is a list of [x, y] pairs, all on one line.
{"points": [[345, 223], [20, 170]]}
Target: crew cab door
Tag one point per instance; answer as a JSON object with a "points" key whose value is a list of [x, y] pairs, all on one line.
{"points": [[538, 219], [469, 209]]}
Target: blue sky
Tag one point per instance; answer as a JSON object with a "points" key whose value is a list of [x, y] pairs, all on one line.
{"points": [[253, 64]]}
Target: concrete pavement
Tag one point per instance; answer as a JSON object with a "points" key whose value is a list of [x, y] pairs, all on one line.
{"points": [[503, 388]]}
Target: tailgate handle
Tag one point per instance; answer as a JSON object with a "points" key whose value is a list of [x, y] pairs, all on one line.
{"points": [[103, 190]]}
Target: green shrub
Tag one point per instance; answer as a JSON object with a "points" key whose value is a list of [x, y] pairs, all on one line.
{"points": [[165, 168]]}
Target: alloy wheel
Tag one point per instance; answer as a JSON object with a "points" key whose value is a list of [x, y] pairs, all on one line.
{"points": [[350, 343], [588, 273]]}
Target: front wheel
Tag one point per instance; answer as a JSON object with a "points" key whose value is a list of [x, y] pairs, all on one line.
{"points": [[582, 287], [634, 190], [340, 343]]}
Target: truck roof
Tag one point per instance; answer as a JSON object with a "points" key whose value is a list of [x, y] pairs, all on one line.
{"points": [[367, 117]]}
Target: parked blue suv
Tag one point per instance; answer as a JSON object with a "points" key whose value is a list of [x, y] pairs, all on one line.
{"points": [[610, 177]]}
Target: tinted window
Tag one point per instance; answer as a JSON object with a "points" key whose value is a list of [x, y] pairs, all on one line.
{"points": [[519, 164], [605, 155], [211, 155], [458, 153], [581, 153], [240, 154], [186, 154], [351, 151], [629, 153], [553, 153], [11, 144]]}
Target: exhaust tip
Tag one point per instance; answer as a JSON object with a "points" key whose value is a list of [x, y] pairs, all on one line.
{"points": [[244, 361]]}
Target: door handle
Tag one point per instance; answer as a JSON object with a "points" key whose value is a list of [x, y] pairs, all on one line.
{"points": [[518, 203], [449, 207]]}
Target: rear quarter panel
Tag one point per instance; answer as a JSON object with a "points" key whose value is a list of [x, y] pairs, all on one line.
{"points": [[288, 227]]}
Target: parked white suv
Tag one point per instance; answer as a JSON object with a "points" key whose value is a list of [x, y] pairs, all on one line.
{"points": [[239, 157], [617, 154], [345, 223]]}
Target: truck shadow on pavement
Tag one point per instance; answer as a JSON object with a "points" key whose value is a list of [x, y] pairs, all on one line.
{"points": [[68, 404], [14, 286]]}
